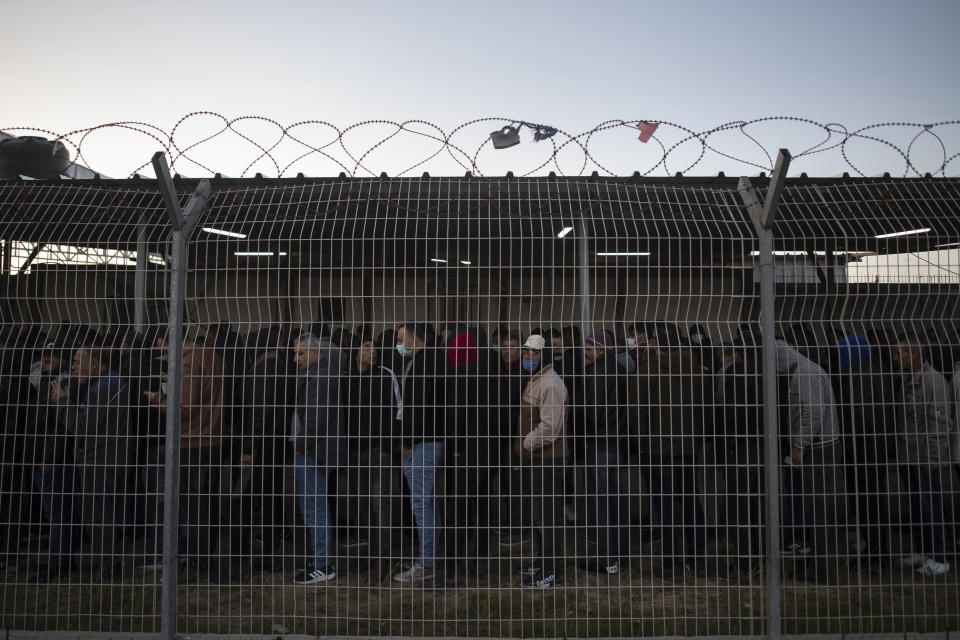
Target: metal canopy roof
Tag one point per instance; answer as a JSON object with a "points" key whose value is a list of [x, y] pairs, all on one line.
{"points": [[680, 217]]}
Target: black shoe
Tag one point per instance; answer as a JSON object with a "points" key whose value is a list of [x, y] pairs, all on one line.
{"points": [[351, 540], [310, 575], [529, 570], [508, 539], [606, 568]]}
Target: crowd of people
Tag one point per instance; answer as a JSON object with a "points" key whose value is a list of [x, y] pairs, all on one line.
{"points": [[482, 438]]}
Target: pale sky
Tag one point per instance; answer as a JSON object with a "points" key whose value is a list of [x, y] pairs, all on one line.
{"points": [[572, 65]]}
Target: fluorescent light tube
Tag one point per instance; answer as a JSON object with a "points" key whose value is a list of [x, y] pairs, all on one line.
{"points": [[257, 254], [623, 253], [221, 232], [901, 233], [564, 232]]}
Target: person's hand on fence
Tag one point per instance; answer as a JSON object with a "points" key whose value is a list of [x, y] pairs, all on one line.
{"points": [[796, 457]]}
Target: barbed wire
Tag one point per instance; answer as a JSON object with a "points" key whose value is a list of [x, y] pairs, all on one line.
{"points": [[669, 147]]}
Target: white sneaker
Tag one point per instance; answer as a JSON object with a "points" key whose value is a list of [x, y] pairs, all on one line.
{"points": [[933, 568], [913, 560], [796, 549], [416, 573]]}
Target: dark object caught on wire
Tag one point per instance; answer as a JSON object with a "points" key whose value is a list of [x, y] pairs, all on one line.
{"points": [[505, 138]]}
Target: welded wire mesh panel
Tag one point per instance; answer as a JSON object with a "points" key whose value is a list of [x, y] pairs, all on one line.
{"points": [[867, 311], [479, 408], [76, 426]]}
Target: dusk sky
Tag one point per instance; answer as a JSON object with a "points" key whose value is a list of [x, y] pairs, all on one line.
{"points": [[572, 65]]}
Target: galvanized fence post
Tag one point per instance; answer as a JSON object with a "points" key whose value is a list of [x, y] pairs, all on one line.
{"points": [[583, 278], [182, 222], [763, 219], [140, 283]]}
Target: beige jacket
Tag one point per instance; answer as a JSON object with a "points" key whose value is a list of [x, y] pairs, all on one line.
{"points": [[543, 415]]}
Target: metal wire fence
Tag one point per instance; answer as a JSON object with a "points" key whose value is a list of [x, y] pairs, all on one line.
{"points": [[480, 407]]}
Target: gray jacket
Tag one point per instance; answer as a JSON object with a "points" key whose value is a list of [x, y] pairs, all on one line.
{"points": [[320, 424], [101, 422], [813, 408], [924, 426]]}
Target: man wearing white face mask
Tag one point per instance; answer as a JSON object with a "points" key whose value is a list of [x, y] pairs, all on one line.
{"points": [[422, 434]]}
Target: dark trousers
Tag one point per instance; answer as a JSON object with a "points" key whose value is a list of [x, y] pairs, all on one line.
{"points": [[744, 500], [866, 459], [607, 507], [811, 490], [378, 480], [199, 508], [674, 489], [926, 510], [467, 506], [56, 487], [262, 482], [537, 501], [100, 508]]}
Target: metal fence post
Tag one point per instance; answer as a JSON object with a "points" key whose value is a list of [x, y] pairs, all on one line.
{"points": [[182, 222], [583, 278], [140, 283], [763, 220]]}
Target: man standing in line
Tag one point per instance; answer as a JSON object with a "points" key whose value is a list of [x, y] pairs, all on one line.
{"points": [[319, 448], [604, 426], [541, 449], [923, 445], [422, 430], [103, 453], [667, 410], [813, 460], [201, 431]]}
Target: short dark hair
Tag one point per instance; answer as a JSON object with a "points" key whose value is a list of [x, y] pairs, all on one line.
{"points": [[422, 330], [554, 333]]}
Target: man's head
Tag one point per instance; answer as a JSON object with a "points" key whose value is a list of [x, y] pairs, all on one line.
{"points": [[88, 362], [556, 340], [306, 351], [637, 336], [411, 338], [533, 352], [597, 345], [908, 352], [510, 348], [367, 353], [53, 358]]}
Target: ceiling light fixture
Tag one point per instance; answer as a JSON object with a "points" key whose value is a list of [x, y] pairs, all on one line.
{"points": [[221, 232], [901, 233]]}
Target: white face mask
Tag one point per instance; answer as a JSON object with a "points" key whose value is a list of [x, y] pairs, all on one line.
{"points": [[696, 339], [631, 342]]}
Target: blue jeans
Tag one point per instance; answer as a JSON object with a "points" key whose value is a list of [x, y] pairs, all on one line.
{"points": [[926, 511], [420, 470], [56, 493], [312, 487]]}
